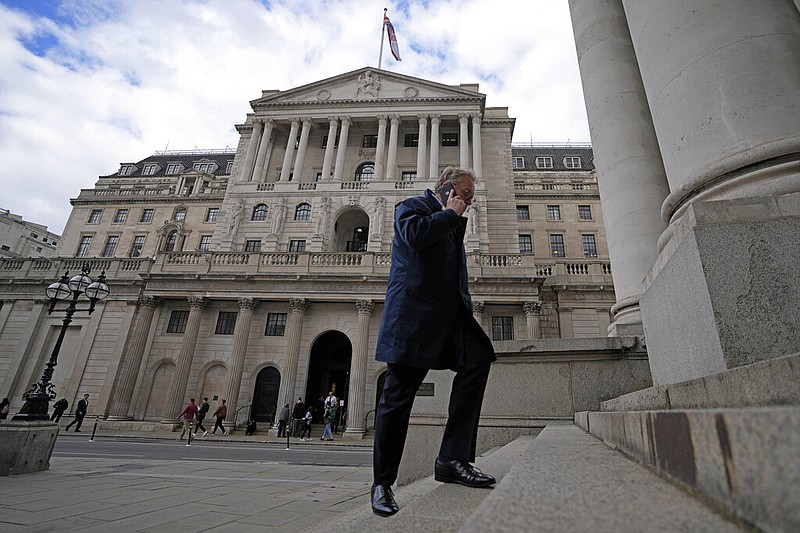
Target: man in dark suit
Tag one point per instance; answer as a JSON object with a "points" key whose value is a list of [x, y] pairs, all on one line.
{"points": [[428, 324], [80, 412]]}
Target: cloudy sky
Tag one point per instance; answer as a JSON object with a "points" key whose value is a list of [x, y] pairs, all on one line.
{"points": [[87, 84]]}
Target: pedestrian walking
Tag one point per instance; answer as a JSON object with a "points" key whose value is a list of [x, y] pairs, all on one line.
{"points": [[328, 418], [201, 415], [80, 413], [58, 409], [307, 424], [220, 413], [189, 415], [5, 406], [298, 415], [283, 418]]}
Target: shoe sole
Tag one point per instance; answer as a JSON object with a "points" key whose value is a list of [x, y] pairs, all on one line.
{"points": [[383, 513], [445, 479]]}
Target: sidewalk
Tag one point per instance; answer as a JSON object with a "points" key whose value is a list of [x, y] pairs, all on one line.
{"points": [[122, 494]]}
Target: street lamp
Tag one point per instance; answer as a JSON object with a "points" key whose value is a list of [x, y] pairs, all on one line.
{"points": [[38, 398]]}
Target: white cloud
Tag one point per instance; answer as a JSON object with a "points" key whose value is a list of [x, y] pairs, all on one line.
{"points": [[114, 81]]}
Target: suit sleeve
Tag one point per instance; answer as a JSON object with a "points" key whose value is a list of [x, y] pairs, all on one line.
{"points": [[419, 228]]}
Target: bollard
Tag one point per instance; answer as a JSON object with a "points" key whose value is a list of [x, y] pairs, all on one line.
{"points": [[94, 429], [287, 439]]}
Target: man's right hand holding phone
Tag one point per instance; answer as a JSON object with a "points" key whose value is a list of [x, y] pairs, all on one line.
{"points": [[455, 203]]}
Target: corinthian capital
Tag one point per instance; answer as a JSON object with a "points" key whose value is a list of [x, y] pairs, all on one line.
{"points": [[299, 305], [365, 307]]}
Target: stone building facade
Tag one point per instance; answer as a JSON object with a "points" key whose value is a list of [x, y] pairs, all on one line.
{"points": [[258, 275], [22, 238]]}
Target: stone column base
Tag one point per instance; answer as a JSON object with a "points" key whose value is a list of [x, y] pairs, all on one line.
{"points": [[26, 447]]}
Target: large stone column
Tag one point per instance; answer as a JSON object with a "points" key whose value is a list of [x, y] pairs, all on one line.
{"points": [[391, 160], [532, 311], [358, 372], [132, 360], [294, 328], [477, 312], [630, 173], [241, 335], [327, 161], [435, 142], [338, 170], [477, 154], [247, 167], [380, 150], [180, 380], [263, 151], [463, 140], [301, 150], [422, 141], [286, 166]]}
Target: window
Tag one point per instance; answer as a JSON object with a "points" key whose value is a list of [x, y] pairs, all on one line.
{"points": [[318, 176], [523, 213], [126, 170], [94, 216], [136, 247], [120, 216], [336, 141], [205, 243], [276, 324], [449, 139], [83, 247], [111, 246], [297, 246], [5, 248], [211, 215], [503, 328], [557, 245], [302, 212], [572, 162], [228, 167], [584, 212], [171, 242], [544, 162], [525, 244], [252, 246], [365, 172], [149, 169], [147, 216], [177, 321], [260, 212], [411, 140], [553, 212], [174, 168], [226, 323], [180, 213], [589, 245], [208, 168], [369, 141], [409, 175], [518, 162]]}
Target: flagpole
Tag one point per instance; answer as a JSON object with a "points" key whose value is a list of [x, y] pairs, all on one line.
{"points": [[383, 35]]}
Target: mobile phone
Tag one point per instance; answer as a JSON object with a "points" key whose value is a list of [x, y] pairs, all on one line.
{"points": [[445, 191]]}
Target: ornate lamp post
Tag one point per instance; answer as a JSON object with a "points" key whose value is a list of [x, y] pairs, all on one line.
{"points": [[38, 398]]}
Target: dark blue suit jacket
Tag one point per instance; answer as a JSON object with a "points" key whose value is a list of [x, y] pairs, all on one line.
{"points": [[427, 301]]}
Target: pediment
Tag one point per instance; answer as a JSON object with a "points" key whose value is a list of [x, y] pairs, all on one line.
{"points": [[365, 84]]}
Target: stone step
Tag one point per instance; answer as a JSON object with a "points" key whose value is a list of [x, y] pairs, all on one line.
{"points": [[561, 480]]}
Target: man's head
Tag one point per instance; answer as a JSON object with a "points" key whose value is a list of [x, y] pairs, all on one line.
{"points": [[191, 400], [223, 402], [463, 180], [85, 396], [205, 399]]}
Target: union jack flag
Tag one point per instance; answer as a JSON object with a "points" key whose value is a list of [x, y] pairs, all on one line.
{"points": [[392, 38]]}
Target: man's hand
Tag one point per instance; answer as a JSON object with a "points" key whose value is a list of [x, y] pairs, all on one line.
{"points": [[456, 204]]}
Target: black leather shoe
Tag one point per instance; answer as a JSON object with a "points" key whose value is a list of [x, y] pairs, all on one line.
{"points": [[461, 472], [383, 503]]}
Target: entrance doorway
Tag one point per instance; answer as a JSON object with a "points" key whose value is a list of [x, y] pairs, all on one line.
{"points": [[329, 369], [265, 395]]}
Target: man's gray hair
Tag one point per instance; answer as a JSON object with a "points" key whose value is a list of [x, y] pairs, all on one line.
{"points": [[451, 174]]}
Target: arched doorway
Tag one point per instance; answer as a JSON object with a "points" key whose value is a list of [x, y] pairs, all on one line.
{"points": [[265, 395], [329, 369], [350, 231]]}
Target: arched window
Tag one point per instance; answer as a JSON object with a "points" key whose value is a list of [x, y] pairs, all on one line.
{"points": [[302, 212], [260, 212], [172, 240], [180, 213], [365, 172]]}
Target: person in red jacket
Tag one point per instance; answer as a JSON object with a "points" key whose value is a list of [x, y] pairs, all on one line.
{"points": [[189, 415]]}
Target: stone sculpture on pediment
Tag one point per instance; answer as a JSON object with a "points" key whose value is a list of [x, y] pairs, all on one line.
{"points": [[369, 84]]}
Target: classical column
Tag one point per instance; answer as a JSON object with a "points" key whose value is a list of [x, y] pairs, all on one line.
{"points": [[177, 397], [422, 142], [532, 311], [380, 150], [358, 371], [263, 151], [630, 174], [435, 140], [463, 140], [294, 328], [391, 160], [132, 360], [477, 156], [241, 335], [477, 312], [327, 162], [301, 150], [286, 166], [340, 153]]}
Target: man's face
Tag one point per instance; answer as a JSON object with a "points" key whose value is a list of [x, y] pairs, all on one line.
{"points": [[464, 188]]}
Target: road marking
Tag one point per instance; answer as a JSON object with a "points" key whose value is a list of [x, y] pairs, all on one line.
{"points": [[83, 454]]}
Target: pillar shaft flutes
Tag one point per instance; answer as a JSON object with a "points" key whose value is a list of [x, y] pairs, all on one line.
{"points": [[301, 150], [330, 146], [422, 142], [132, 361], [532, 311], [294, 329], [241, 334], [477, 156], [435, 140], [183, 365], [247, 167], [380, 149], [263, 151], [358, 371], [463, 140], [340, 153], [286, 166], [391, 159]]}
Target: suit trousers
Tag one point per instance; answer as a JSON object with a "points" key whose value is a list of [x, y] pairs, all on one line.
{"points": [[394, 410]]}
